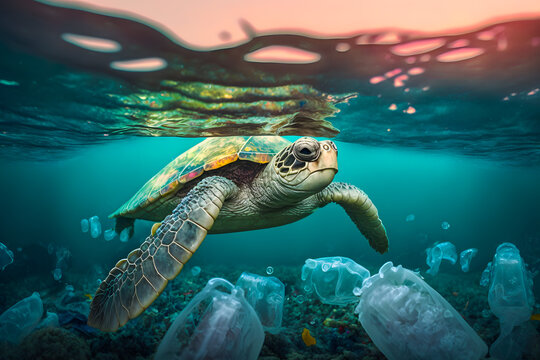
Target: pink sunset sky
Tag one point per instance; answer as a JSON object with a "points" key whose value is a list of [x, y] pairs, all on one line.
{"points": [[216, 23]]}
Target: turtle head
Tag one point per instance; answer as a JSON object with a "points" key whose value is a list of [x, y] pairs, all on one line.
{"points": [[307, 166]]}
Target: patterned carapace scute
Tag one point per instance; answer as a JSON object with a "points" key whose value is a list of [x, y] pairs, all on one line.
{"points": [[209, 154]]}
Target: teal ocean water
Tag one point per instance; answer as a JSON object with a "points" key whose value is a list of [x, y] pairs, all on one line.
{"points": [[451, 155], [486, 203]]}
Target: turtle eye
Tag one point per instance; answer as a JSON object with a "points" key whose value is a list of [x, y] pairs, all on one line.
{"points": [[306, 149]]}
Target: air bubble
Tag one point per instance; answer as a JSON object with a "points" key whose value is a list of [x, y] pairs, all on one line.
{"points": [[95, 227], [140, 65], [108, 235], [196, 271], [417, 47], [282, 55], [57, 274], [343, 47], [85, 225], [92, 43], [460, 54], [124, 235]]}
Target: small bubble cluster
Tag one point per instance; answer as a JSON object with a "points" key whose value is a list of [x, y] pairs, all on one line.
{"points": [[195, 271]]}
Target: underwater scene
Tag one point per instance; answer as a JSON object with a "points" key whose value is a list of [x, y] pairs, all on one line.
{"points": [[268, 191]]}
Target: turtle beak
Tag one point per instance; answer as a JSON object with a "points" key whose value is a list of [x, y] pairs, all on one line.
{"points": [[327, 158]]}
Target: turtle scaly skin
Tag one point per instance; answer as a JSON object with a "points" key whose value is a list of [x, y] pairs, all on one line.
{"points": [[137, 281], [360, 209], [292, 185]]}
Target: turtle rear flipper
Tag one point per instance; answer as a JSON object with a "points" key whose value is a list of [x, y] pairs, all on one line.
{"points": [[361, 211], [134, 283]]}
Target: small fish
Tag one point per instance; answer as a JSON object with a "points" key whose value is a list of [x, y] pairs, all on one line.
{"points": [[535, 317], [89, 296], [308, 339], [466, 305], [455, 293]]}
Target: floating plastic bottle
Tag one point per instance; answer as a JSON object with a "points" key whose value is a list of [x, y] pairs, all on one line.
{"points": [[57, 274], [62, 257], [50, 321], [71, 302], [95, 227], [510, 299], [333, 279], [218, 323], [109, 234], [6, 256], [266, 294], [439, 252], [465, 258], [407, 319], [20, 319], [124, 235], [484, 279], [85, 225]]}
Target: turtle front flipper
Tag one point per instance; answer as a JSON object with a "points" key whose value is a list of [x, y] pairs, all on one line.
{"points": [[134, 283], [361, 211]]}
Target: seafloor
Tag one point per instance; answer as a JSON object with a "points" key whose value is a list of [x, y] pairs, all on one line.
{"points": [[339, 337]]}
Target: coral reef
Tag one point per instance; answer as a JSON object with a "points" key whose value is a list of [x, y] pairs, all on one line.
{"points": [[53, 344]]}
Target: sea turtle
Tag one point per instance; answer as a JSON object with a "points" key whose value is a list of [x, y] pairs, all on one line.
{"points": [[223, 185]]}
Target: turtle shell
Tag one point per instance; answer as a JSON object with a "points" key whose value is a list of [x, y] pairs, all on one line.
{"points": [[209, 154]]}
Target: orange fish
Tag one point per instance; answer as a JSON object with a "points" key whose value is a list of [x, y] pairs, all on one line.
{"points": [[89, 296], [308, 339], [535, 317]]}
